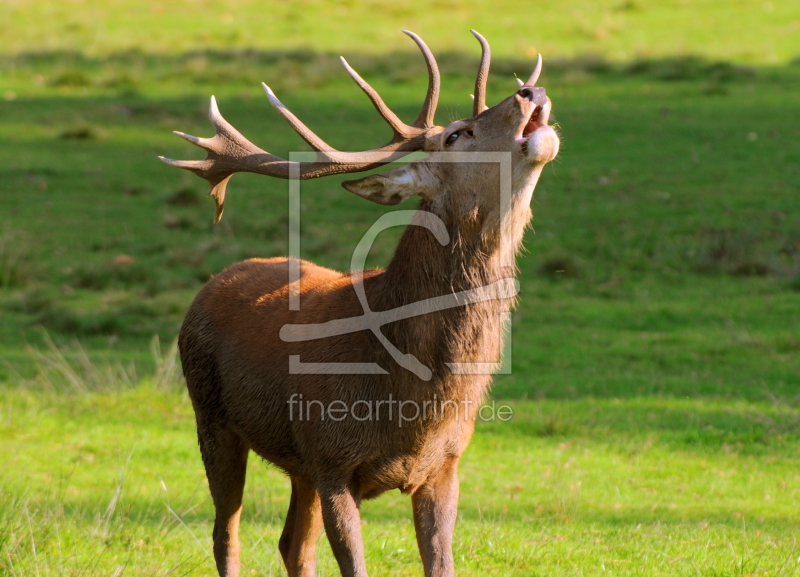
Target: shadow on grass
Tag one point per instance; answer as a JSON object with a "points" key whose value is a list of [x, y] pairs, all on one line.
{"points": [[124, 70]]}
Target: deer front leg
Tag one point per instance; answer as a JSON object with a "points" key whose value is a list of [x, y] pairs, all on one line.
{"points": [[342, 522], [435, 508]]}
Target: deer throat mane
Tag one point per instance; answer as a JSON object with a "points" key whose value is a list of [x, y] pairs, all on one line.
{"points": [[424, 269], [482, 249]]}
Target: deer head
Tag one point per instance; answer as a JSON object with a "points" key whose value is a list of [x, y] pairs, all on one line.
{"points": [[518, 126]]}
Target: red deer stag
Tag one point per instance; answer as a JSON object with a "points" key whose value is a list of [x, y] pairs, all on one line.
{"points": [[260, 381]]}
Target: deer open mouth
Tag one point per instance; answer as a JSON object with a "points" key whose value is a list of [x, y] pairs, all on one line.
{"points": [[533, 123], [537, 140], [538, 118]]}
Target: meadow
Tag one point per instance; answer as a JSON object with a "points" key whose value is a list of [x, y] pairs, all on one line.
{"points": [[655, 374]]}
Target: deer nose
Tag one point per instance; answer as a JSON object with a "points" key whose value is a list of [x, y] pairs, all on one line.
{"points": [[534, 94]]}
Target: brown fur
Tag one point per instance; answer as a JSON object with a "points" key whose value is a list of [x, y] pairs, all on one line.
{"points": [[237, 366]]}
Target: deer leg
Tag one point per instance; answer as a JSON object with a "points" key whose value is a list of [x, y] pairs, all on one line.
{"points": [[343, 528], [225, 459], [285, 542], [435, 508], [298, 541]]}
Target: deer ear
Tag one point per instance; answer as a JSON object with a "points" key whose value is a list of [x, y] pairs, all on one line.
{"points": [[396, 185]]}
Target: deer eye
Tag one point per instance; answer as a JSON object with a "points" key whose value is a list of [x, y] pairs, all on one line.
{"points": [[451, 139]]}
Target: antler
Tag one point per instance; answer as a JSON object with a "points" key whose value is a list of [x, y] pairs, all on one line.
{"points": [[479, 98], [230, 152], [531, 81]]}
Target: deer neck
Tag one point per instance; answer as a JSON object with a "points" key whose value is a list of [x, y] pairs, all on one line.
{"points": [[482, 249], [422, 268]]}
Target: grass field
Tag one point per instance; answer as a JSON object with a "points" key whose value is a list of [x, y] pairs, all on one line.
{"points": [[655, 382]]}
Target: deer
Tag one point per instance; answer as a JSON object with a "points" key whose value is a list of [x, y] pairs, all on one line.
{"points": [[265, 376]]}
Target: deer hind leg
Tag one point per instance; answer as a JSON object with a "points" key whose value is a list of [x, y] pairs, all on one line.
{"points": [[225, 459], [435, 508], [298, 541]]}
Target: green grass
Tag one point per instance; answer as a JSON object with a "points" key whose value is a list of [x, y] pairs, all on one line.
{"points": [[655, 381], [113, 483]]}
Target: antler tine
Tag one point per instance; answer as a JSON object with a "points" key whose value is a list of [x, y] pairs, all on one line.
{"points": [[425, 118], [399, 127], [536, 72], [219, 124], [224, 150], [305, 133], [483, 75]]}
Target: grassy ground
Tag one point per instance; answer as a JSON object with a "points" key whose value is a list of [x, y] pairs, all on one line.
{"points": [[655, 381], [752, 30], [109, 483]]}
